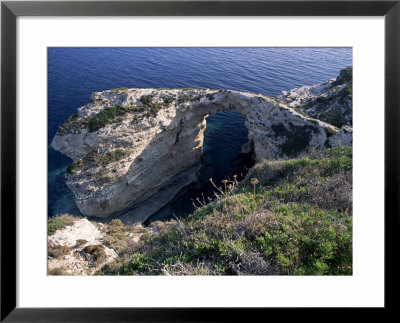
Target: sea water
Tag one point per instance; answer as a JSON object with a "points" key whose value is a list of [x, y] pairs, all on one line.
{"points": [[74, 73]]}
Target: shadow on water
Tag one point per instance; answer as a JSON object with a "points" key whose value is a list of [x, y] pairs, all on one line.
{"points": [[223, 138], [60, 198]]}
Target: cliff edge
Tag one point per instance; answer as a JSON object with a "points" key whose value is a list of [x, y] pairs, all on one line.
{"points": [[134, 149]]}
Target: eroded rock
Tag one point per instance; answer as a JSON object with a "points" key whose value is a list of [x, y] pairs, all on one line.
{"points": [[130, 144], [330, 101]]}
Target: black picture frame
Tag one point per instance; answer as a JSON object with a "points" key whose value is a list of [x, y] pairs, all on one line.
{"points": [[10, 10]]}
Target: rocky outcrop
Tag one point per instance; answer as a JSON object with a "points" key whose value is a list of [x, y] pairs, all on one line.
{"points": [[73, 240], [344, 137], [330, 101], [130, 144], [83, 247]]}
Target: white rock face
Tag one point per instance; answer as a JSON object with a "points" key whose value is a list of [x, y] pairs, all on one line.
{"points": [[77, 261], [330, 101], [154, 140], [74, 262], [344, 137]]}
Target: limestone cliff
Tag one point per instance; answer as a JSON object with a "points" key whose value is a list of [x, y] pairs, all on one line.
{"points": [[136, 148], [330, 101]]}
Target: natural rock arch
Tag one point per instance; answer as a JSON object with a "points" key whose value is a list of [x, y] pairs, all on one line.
{"points": [[141, 159]]}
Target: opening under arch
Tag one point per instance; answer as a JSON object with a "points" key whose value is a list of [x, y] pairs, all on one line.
{"points": [[224, 136]]}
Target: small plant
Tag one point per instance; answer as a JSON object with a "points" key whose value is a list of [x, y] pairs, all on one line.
{"points": [[184, 98], [210, 96], [218, 188], [137, 264], [151, 107], [71, 124], [59, 222], [330, 132], [147, 100], [224, 181], [106, 116], [57, 251], [94, 159], [254, 181], [168, 100], [75, 166], [197, 98], [95, 253], [60, 271], [120, 89], [116, 236], [345, 76]]}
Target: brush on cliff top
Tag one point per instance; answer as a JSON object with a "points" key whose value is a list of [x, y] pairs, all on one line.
{"points": [[297, 222]]}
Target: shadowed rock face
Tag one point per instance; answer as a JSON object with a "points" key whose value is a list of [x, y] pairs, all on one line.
{"points": [[136, 148]]}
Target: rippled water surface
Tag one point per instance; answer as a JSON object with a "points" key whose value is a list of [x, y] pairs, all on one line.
{"points": [[73, 73]]}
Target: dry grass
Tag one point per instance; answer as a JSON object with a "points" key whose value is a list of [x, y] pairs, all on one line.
{"points": [[94, 254], [294, 219], [118, 236], [57, 251], [60, 271]]}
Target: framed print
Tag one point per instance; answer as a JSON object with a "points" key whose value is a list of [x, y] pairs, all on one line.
{"points": [[184, 154]]}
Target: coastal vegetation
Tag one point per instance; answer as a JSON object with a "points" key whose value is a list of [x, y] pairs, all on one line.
{"points": [[345, 76], [285, 217], [113, 114], [59, 222], [119, 89], [75, 166], [106, 116], [332, 103], [95, 159], [71, 124], [298, 137], [290, 217], [57, 251]]}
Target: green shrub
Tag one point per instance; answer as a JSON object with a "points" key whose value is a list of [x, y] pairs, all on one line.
{"points": [[345, 76], [139, 263], [329, 132], [120, 89], [150, 106], [95, 159], [210, 96], [59, 222], [322, 99], [75, 166], [197, 98], [147, 100], [106, 116], [96, 253], [168, 100], [71, 124]]}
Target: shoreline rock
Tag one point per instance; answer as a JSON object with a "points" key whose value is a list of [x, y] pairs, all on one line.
{"points": [[330, 101], [129, 144]]}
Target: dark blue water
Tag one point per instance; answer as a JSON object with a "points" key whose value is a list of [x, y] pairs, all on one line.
{"points": [[73, 73]]}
